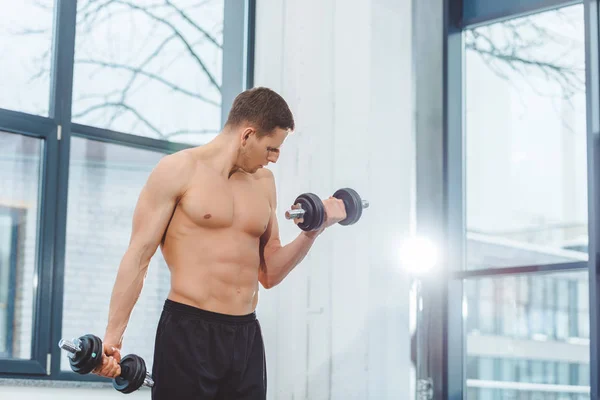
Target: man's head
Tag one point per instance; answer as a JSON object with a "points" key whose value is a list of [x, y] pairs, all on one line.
{"points": [[262, 120]]}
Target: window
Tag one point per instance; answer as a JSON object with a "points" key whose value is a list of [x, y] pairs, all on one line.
{"points": [[538, 348], [525, 124], [9, 221], [526, 202], [150, 69], [26, 55], [505, 309], [92, 95], [19, 221], [104, 183]]}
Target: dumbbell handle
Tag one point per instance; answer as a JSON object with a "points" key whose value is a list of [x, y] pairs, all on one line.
{"points": [[72, 348], [148, 381], [298, 212], [294, 213]]}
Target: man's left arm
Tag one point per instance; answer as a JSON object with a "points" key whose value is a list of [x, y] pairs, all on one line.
{"points": [[278, 261]]}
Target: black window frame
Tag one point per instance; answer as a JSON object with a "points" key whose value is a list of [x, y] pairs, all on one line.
{"points": [[56, 130], [440, 176]]}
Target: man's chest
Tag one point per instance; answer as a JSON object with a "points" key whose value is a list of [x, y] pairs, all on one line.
{"points": [[237, 204]]}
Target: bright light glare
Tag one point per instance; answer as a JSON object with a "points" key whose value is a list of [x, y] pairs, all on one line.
{"points": [[418, 255]]}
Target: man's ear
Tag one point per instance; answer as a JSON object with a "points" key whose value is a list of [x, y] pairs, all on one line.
{"points": [[246, 133]]}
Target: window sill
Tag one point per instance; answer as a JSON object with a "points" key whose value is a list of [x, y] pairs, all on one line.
{"points": [[53, 383]]}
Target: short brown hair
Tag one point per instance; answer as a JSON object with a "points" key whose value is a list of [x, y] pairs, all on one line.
{"points": [[262, 107]]}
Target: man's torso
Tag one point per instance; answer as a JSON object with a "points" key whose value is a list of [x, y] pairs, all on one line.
{"points": [[213, 239]]}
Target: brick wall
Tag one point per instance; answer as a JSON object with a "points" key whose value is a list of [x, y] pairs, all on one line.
{"points": [[101, 200]]}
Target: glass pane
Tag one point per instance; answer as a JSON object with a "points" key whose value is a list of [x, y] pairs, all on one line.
{"points": [[516, 363], [104, 184], [149, 68], [26, 36], [7, 266], [526, 180], [20, 160]]}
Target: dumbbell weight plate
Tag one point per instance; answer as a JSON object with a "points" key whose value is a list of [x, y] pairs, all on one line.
{"points": [[353, 204], [133, 373], [314, 211], [90, 355]]}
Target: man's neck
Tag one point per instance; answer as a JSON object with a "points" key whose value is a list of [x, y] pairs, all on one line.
{"points": [[222, 152]]}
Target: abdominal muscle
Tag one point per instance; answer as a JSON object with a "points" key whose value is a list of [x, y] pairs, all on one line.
{"points": [[214, 269]]}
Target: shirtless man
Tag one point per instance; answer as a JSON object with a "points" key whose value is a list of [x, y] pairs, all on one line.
{"points": [[211, 209]]}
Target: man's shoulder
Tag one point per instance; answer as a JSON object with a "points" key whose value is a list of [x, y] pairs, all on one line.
{"points": [[174, 170], [264, 173], [267, 179], [182, 157], [176, 163]]}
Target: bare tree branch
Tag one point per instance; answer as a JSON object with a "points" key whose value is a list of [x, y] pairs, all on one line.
{"points": [[190, 132], [86, 16], [29, 31], [195, 25], [522, 48], [149, 75], [120, 105], [135, 74], [92, 14], [104, 96], [181, 37], [48, 6], [570, 78], [539, 49]]}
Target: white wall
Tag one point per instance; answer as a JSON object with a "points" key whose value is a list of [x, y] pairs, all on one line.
{"points": [[337, 328]]}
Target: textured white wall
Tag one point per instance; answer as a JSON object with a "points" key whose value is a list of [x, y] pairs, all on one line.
{"points": [[337, 328]]}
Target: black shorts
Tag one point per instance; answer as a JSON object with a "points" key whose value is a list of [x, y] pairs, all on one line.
{"points": [[200, 354]]}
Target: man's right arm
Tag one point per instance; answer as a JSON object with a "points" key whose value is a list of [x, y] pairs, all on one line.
{"points": [[154, 209]]}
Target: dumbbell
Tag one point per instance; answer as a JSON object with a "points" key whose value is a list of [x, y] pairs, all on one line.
{"points": [[85, 354], [312, 210]]}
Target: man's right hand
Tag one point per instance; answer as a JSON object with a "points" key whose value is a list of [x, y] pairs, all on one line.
{"points": [[111, 358]]}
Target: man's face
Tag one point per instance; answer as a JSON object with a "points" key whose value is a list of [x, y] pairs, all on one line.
{"points": [[264, 150]]}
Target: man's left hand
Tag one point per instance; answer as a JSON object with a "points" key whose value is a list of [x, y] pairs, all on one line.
{"points": [[335, 211]]}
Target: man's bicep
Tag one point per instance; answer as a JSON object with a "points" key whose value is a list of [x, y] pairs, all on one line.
{"points": [[269, 242], [271, 236], [270, 239], [155, 205], [150, 218]]}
